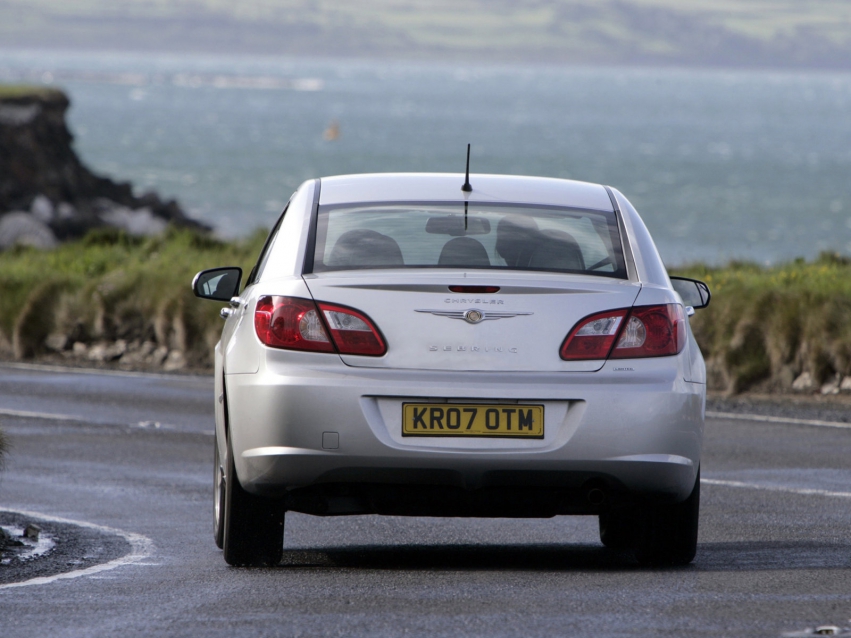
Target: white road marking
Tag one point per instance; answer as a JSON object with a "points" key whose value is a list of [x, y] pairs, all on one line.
{"points": [[141, 547], [776, 488], [40, 367], [776, 419], [142, 425], [40, 415]]}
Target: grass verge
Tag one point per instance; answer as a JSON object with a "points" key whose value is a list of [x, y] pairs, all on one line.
{"points": [[8, 91], [766, 329], [111, 287], [770, 326]]}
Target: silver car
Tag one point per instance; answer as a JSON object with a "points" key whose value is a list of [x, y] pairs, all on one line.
{"points": [[411, 344]]}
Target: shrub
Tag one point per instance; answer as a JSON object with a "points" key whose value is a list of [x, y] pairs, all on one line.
{"points": [[111, 286], [766, 326]]}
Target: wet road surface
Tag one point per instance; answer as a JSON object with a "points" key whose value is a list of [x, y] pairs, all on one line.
{"points": [[130, 456]]}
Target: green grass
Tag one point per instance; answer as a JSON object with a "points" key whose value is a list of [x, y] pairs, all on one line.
{"points": [[764, 327], [110, 286], [27, 90], [767, 325]]}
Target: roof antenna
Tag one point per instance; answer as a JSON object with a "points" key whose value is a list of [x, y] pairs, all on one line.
{"points": [[466, 187]]}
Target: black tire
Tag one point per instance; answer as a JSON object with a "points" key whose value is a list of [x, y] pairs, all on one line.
{"points": [[218, 496], [617, 529], [253, 525], [667, 534]]}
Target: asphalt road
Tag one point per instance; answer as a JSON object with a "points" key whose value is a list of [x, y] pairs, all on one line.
{"points": [[132, 453]]}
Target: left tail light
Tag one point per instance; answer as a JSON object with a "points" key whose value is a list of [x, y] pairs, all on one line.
{"points": [[627, 333], [292, 323]]}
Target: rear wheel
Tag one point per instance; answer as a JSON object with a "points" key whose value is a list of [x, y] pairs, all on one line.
{"points": [[667, 534], [617, 529], [253, 534], [218, 496]]}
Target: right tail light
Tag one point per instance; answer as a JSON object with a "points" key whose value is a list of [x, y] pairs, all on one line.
{"points": [[352, 331], [627, 333], [652, 331], [292, 323]]}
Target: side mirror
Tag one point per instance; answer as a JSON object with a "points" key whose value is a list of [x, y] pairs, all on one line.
{"points": [[694, 293], [218, 284]]}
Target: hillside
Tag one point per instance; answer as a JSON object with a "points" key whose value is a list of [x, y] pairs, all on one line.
{"points": [[775, 33]]}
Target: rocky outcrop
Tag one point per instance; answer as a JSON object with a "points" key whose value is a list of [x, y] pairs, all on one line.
{"points": [[47, 194]]}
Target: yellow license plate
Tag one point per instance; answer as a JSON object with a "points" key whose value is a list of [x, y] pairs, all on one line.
{"points": [[474, 419]]}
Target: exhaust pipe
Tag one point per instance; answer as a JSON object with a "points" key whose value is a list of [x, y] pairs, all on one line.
{"points": [[596, 496]]}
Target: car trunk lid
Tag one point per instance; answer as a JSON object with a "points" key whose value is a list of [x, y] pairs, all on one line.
{"points": [[427, 326]]}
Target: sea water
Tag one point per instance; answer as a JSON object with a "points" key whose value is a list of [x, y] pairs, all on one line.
{"points": [[721, 164]]}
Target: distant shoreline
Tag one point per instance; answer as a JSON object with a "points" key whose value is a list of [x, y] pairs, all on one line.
{"points": [[841, 63], [728, 33]]}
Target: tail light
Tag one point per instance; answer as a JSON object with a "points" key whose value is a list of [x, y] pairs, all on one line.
{"points": [[296, 324], [652, 331], [352, 331], [290, 323], [594, 336], [627, 333]]}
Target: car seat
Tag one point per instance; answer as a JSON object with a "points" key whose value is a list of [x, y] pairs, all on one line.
{"points": [[557, 250], [516, 240], [463, 251], [363, 248]]}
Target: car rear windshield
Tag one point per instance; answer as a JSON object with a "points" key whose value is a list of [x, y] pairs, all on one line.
{"points": [[474, 236]]}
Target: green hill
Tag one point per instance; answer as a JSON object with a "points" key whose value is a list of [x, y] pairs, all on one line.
{"points": [[783, 33]]}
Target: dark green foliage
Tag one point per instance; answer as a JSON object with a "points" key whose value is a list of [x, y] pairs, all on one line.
{"points": [[768, 325], [110, 236], [17, 91], [764, 327], [110, 286]]}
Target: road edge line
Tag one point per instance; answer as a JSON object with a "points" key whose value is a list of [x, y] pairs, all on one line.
{"points": [[141, 547], [776, 488], [50, 416], [776, 419], [45, 367]]}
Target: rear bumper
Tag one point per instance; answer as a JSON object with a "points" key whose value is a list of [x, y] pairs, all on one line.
{"points": [[360, 486], [329, 436]]}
